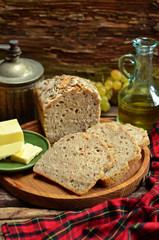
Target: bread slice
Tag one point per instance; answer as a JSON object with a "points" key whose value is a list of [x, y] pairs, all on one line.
{"points": [[139, 134], [66, 104], [76, 162], [122, 146]]}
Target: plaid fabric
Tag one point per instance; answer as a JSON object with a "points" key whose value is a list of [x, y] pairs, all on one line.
{"points": [[118, 219]]}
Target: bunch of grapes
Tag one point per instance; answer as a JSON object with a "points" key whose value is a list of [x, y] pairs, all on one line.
{"points": [[109, 89]]}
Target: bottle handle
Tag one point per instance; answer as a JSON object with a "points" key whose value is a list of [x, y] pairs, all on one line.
{"points": [[130, 58]]}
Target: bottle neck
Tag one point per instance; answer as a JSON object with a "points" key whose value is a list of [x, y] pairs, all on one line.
{"points": [[144, 66]]}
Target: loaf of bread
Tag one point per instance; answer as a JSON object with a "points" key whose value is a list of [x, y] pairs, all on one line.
{"points": [[66, 104], [77, 161], [123, 147]]}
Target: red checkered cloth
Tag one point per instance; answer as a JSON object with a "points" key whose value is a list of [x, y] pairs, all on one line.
{"points": [[118, 219]]}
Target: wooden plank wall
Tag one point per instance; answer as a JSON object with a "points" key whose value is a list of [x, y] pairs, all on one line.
{"points": [[78, 37]]}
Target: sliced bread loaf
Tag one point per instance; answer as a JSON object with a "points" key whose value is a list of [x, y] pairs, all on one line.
{"points": [[122, 146], [76, 162], [66, 104]]}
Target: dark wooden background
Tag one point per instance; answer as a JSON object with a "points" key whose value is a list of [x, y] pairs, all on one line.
{"points": [[78, 37]]}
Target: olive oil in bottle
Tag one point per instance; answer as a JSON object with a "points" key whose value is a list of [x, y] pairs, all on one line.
{"points": [[138, 103], [139, 114]]}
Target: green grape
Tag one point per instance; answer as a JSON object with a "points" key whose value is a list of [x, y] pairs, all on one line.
{"points": [[123, 79], [116, 74], [107, 87], [109, 94], [108, 84], [117, 85], [110, 78], [98, 84], [105, 105], [101, 90], [125, 84], [93, 82], [104, 99]]}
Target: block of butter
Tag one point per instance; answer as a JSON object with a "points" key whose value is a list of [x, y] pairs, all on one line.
{"points": [[28, 152], [11, 138]]}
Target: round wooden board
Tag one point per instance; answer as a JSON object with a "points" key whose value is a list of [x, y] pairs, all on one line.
{"points": [[36, 190]]}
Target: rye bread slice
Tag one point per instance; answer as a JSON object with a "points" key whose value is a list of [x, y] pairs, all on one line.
{"points": [[76, 162]]}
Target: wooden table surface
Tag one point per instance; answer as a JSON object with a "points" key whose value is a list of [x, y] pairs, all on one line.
{"points": [[13, 209]]}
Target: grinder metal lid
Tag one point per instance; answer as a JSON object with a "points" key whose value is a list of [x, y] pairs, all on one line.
{"points": [[16, 71]]}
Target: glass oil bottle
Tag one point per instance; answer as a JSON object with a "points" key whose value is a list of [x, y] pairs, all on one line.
{"points": [[138, 103]]}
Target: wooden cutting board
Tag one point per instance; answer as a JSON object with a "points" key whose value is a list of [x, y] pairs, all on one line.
{"points": [[36, 190]]}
